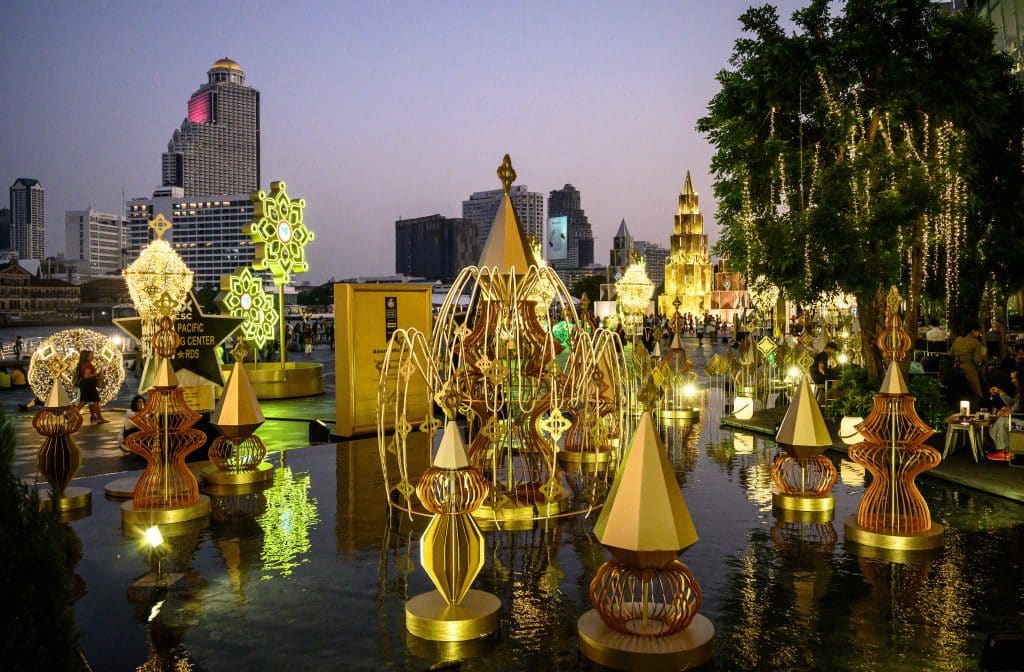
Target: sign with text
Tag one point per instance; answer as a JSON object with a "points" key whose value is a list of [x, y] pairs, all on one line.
{"points": [[365, 317]]}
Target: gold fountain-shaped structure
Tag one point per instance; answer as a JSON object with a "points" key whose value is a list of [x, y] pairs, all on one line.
{"points": [[498, 366]]}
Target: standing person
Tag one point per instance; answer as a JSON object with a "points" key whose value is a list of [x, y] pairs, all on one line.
{"points": [[87, 382], [307, 340], [968, 353], [17, 347], [820, 370], [1009, 398]]}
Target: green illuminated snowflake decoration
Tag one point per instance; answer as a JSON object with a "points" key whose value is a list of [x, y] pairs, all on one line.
{"points": [[279, 233], [242, 296]]}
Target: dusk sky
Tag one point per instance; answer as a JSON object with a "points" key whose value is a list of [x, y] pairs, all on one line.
{"points": [[373, 111]]}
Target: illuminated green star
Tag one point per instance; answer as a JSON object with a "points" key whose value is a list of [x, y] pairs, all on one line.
{"points": [[242, 296], [279, 233]]}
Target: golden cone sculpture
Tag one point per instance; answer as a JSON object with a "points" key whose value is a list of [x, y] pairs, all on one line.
{"points": [[646, 602], [237, 454], [452, 549], [803, 476], [892, 514], [58, 457]]}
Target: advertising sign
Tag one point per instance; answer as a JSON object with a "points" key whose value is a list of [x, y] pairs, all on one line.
{"points": [[556, 242]]}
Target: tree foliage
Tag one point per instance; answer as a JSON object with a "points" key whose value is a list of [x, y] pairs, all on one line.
{"points": [[591, 286], [880, 145]]}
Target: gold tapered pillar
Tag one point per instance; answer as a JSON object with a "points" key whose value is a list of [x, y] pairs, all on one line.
{"points": [[646, 602], [452, 549], [803, 476]]}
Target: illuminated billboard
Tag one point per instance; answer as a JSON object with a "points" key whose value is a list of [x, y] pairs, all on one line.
{"points": [[556, 242]]}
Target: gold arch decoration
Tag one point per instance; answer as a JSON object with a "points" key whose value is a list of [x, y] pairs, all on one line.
{"points": [[242, 296], [892, 513], [522, 395], [56, 359]]}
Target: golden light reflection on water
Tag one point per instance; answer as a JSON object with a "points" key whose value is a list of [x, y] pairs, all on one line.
{"points": [[286, 522]]}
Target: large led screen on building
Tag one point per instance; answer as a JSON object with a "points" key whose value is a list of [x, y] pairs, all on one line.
{"points": [[556, 242]]}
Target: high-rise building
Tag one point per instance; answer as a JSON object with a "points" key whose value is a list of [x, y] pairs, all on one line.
{"points": [[206, 231], [96, 240], [482, 206], [28, 219], [5, 229], [434, 247], [217, 148], [1007, 17], [688, 272], [565, 202], [656, 256]]}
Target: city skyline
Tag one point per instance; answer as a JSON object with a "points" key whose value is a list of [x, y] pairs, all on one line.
{"points": [[368, 118]]}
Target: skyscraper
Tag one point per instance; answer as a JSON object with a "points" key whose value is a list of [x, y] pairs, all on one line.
{"points": [[565, 202], [96, 240], [5, 229], [482, 206], [622, 251], [434, 247], [217, 148], [28, 219], [655, 255]]}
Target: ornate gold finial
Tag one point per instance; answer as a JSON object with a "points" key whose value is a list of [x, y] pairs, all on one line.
{"points": [[506, 173], [585, 303], [893, 300], [241, 351], [160, 226], [650, 394], [635, 257]]}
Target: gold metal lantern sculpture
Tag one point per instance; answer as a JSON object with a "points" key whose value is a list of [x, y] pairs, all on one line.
{"points": [[499, 366], [892, 514], [679, 381], [237, 454], [58, 457], [452, 549], [646, 603], [634, 290], [802, 475]]}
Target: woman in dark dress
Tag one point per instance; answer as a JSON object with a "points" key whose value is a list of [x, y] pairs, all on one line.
{"points": [[87, 380]]}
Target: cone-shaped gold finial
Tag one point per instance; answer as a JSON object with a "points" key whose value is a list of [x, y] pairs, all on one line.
{"points": [[803, 432], [645, 522], [688, 185], [506, 247], [451, 454], [58, 396], [238, 413], [657, 349], [676, 343], [893, 383], [164, 373]]}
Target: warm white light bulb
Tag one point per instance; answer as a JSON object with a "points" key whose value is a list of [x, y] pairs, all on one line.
{"points": [[153, 536]]}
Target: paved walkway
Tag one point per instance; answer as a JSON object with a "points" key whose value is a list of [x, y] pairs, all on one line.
{"points": [[995, 478], [286, 426]]}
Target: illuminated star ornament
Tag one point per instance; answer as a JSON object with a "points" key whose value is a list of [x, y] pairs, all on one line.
{"points": [[279, 233], [242, 296], [200, 334]]}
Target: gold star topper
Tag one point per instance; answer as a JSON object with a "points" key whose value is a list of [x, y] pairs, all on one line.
{"points": [[506, 173], [160, 226]]}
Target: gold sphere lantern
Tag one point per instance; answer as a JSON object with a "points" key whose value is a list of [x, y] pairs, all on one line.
{"points": [[634, 290]]}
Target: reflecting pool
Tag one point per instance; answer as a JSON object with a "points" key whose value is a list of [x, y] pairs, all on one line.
{"points": [[313, 574]]}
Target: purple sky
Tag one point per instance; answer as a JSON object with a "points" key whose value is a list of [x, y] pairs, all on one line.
{"points": [[375, 111]]}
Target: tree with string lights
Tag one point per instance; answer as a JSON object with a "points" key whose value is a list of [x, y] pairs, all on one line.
{"points": [[879, 145]]}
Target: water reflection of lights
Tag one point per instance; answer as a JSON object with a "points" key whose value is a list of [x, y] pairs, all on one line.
{"points": [[286, 522], [757, 481], [743, 444], [851, 473]]}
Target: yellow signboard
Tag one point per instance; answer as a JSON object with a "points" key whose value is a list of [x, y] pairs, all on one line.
{"points": [[365, 316]]}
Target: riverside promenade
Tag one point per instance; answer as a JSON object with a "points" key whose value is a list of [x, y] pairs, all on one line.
{"points": [[994, 478]]}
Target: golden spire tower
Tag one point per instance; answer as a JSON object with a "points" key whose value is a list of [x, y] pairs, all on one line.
{"points": [[688, 271]]}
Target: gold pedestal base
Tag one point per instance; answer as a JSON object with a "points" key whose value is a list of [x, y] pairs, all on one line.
{"points": [[214, 476], [430, 617], [122, 488], [803, 502], [571, 458], [930, 540], [74, 498], [147, 517], [522, 511], [691, 414], [798, 516], [270, 381], [689, 649]]}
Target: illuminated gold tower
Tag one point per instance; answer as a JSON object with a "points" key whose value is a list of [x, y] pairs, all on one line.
{"points": [[688, 271], [803, 476], [892, 514], [452, 549], [646, 602]]}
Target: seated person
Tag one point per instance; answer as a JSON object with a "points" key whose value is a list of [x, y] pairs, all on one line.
{"points": [[936, 337], [1008, 398], [35, 403], [5, 379], [128, 427], [18, 377], [820, 370]]}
